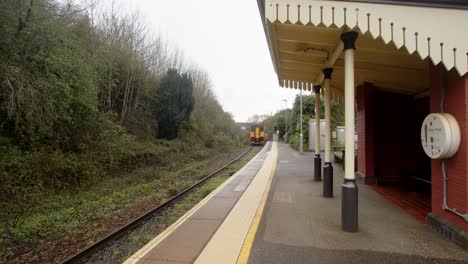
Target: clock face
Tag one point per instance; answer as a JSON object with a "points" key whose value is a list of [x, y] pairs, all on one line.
{"points": [[440, 136]]}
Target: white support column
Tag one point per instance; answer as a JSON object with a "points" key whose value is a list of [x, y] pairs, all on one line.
{"points": [[327, 88], [317, 119], [287, 124], [317, 160], [301, 135], [327, 167], [349, 202], [349, 114]]}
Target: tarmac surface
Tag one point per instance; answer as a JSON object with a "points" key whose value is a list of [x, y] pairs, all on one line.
{"points": [[298, 225]]}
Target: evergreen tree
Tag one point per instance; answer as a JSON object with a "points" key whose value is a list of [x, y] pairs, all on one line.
{"points": [[175, 103]]}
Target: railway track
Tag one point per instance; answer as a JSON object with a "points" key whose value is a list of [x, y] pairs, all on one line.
{"points": [[85, 253]]}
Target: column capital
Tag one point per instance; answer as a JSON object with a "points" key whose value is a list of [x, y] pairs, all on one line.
{"points": [[327, 72], [317, 88], [349, 39]]}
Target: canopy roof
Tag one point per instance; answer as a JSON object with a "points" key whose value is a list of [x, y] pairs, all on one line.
{"points": [[392, 51], [461, 4]]}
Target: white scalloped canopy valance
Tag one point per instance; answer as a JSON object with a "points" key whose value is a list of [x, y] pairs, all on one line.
{"points": [[440, 34], [337, 96]]}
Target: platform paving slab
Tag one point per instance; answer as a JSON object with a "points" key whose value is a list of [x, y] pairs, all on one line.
{"points": [[216, 209], [300, 226], [185, 241]]}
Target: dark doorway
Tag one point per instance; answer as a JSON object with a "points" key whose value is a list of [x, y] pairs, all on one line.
{"points": [[402, 169]]}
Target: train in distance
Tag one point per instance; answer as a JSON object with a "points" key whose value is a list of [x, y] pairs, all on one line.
{"points": [[257, 135]]}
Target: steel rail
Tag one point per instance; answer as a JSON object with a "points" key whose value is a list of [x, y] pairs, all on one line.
{"points": [[101, 243]]}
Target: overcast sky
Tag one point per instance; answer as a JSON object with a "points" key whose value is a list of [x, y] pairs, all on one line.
{"points": [[226, 39]]}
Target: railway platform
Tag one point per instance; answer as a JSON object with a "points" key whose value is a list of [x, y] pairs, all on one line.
{"points": [[272, 211], [184, 240]]}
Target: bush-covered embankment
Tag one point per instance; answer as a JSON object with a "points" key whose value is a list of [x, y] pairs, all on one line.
{"points": [[86, 97]]}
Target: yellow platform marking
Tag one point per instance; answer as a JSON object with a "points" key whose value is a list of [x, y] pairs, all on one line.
{"points": [[226, 244], [140, 254], [249, 239]]}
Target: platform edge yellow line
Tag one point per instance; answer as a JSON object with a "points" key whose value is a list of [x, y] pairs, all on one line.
{"points": [[249, 239]]}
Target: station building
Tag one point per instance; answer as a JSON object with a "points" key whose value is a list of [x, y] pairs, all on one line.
{"points": [[392, 62]]}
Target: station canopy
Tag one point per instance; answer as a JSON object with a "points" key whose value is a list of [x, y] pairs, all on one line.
{"points": [[393, 49]]}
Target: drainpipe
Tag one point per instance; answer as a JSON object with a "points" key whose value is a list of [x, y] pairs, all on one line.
{"points": [[444, 170], [317, 159], [327, 167], [349, 201]]}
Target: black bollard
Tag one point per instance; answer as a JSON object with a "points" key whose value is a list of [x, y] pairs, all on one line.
{"points": [[328, 180], [317, 168], [349, 206]]}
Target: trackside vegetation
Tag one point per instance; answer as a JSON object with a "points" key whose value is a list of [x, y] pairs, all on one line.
{"points": [[92, 106], [277, 122]]}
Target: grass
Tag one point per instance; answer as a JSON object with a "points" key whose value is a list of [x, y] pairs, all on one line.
{"points": [[198, 194]]}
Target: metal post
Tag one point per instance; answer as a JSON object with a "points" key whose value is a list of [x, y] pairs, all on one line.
{"points": [[286, 121], [349, 202], [301, 136], [327, 167], [317, 160]]}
